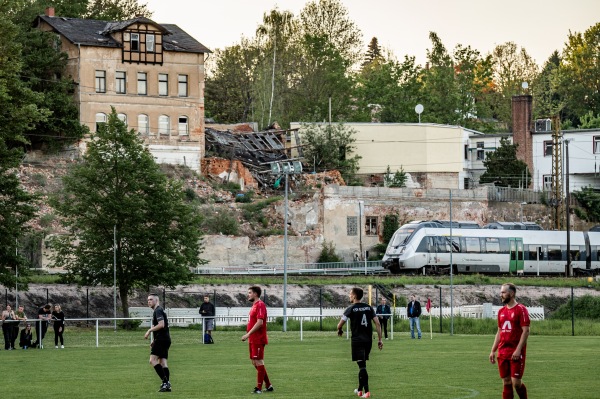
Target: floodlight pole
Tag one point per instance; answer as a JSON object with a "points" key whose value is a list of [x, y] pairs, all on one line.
{"points": [[16, 273], [285, 253], [115, 275], [451, 273]]}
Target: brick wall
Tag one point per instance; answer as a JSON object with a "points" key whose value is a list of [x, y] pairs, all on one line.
{"points": [[223, 168], [522, 122]]}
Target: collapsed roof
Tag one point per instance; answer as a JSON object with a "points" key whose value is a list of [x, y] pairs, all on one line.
{"points": [[257, 150]]}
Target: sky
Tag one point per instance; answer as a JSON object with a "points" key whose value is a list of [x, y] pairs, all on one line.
{"points": [[402, 26]]}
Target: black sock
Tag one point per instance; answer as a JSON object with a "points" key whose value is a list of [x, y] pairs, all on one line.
{"points": [[166, 370], [160, 371], [363, 379], [361, 375]]}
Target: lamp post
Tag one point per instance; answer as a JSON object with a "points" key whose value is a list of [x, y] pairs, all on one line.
{"points": [[521, 204], [286, 168]]}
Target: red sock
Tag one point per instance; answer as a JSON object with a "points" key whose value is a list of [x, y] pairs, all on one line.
{"points": [[260, 376], [522, 392], [507, 392], [267, 381]]}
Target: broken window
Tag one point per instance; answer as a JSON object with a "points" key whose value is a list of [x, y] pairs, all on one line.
{"points": [[352, 225], [183, 126], [371, 226], [135, 42]]}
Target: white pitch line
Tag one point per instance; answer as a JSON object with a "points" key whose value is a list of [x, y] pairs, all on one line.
{"points": [[473, 393]]}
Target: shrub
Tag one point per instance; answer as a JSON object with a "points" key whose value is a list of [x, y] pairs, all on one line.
{"points": [[586, 307], [328, 253], [222, 221]]}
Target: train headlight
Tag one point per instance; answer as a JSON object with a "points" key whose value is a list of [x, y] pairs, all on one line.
{"points": [[401, 250]]}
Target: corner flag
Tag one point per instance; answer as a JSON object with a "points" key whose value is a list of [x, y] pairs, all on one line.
{"points": [[428, 307]]}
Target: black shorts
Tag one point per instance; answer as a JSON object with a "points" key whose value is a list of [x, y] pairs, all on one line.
{"points": [[361, 350], [160, 348]]}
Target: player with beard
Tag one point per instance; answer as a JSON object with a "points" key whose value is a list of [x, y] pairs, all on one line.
{"points": [[361, 315], [511, 343], [159, 348], [257, 338]]}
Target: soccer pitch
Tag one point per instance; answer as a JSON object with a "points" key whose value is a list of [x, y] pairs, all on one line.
{"points": [[317, 367]]}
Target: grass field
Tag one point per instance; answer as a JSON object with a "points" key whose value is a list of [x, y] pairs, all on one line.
{"points": [[317, 367]]}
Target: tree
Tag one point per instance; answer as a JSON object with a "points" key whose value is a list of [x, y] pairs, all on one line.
{"points": [[504, 169], [117, 197], [579, 71], [329, 147], [548, 101], [116, 10], [328, 254], [397, 179], [373, 52]]}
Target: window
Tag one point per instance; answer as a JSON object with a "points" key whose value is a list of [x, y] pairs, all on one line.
{"points": [[163, 84], [548, 183], [472, 245], [547, 148], [480, 151], [150, 42], [122, 118], [533, 253], [554, 252], [371, 226], [466, 183], [143, 124], [596, 144], [351, 225], [100, 81], [183, 85], [164, 123], [492, 245], [142, 83], [183, 126], [121, 83], [135, 42], [466, 152], [100, 119]]}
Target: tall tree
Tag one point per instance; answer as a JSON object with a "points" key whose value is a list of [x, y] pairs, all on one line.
{"points": [[374, 52], [117, 199], [546, 96], [579, 70], [116, 10], [504, 169]]}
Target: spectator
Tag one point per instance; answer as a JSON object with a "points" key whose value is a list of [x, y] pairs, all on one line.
{"points": [[8, 321], [20, 314], [26, 337], [413, 311], [59, 326], [383, 313], [41, 325], [207, 309]]}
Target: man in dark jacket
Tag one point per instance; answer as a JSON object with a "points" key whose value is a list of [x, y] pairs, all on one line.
{"points": [[413, 311], [384, 312], [207, 309]]}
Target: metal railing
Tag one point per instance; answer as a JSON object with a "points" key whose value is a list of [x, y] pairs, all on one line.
{"points": [[357, 267]]}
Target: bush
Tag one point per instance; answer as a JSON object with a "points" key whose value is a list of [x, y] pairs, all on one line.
{"points": [[586, 307], [221, 221], [328, 254]]}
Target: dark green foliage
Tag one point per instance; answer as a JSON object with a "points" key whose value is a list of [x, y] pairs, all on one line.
{"points": [[397, 179], [585, 307], [118, 194], [390, 225], [504, 169], [590, 201], [328, 253], [219, 221], [244, 197]]}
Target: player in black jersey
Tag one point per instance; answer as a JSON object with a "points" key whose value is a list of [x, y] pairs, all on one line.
{"points": [[361, 315], [159, 348]]}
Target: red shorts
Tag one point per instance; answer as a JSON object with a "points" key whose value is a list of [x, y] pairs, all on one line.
{"points": [[511, 368], [257, 351]]}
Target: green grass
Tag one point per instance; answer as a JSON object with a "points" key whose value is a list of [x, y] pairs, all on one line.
{"points": [[317, 367]]}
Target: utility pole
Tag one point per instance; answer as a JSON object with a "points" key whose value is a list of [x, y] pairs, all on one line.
{"points": [[557, 190]]}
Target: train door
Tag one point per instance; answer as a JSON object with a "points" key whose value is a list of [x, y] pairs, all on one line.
{"points": [[516, 255]]}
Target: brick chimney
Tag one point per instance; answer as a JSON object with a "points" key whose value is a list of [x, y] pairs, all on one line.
{"points": [[49, 11], [521, 126]]}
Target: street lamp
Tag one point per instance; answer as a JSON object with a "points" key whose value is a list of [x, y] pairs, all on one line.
{"points": [[285, 168], [521, 204]]}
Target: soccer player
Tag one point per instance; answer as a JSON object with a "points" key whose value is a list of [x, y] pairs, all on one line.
{"points": [[361, 315], [256, 334], [159, 348], [511, 343]]}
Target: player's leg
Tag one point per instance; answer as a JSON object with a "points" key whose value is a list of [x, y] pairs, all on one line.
{"points": [[504, 369], [517, 368]]}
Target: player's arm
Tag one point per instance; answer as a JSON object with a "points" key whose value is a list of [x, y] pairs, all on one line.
{"points": [[254, 328], [522, 343], [495, 347], [378, 327], [340, 325], [158, 326]]}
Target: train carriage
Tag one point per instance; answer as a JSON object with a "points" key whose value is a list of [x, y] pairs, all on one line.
{"points": [[428, 250]]}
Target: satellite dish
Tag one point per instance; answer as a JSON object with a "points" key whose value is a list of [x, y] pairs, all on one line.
{"points": [[525, 85], [419, 109]]}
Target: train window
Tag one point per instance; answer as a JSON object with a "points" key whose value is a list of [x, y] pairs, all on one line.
{"points": [[554, 252], [472, 244], [575, 254], [532, 252], [492, 245]]}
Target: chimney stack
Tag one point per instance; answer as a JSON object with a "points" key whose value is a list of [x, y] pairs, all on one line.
{"points": [[49, 11], [521, 127]]}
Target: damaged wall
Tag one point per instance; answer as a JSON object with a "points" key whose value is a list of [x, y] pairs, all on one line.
{"points": [[226, 170]]}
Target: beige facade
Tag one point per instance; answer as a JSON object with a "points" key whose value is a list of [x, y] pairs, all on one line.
{"points": [[152, 74]]}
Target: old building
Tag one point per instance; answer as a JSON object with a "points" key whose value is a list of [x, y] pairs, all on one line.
{"points": [[153, 74]]}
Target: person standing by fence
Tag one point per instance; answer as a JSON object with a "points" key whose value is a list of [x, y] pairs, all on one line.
{"points": [[383, 313], [207, 310], [511, 343], [159, 347], [41, 325], [59, 326], [413, 311], [257, 338], [8, 321], [21, 317]]}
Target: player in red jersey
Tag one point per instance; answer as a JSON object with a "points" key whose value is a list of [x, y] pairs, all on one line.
{"points": [[256, 334], [511, 343]]}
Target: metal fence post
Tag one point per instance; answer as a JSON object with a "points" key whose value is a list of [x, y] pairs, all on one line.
{"points": [[572, 311], [440, 310]]}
